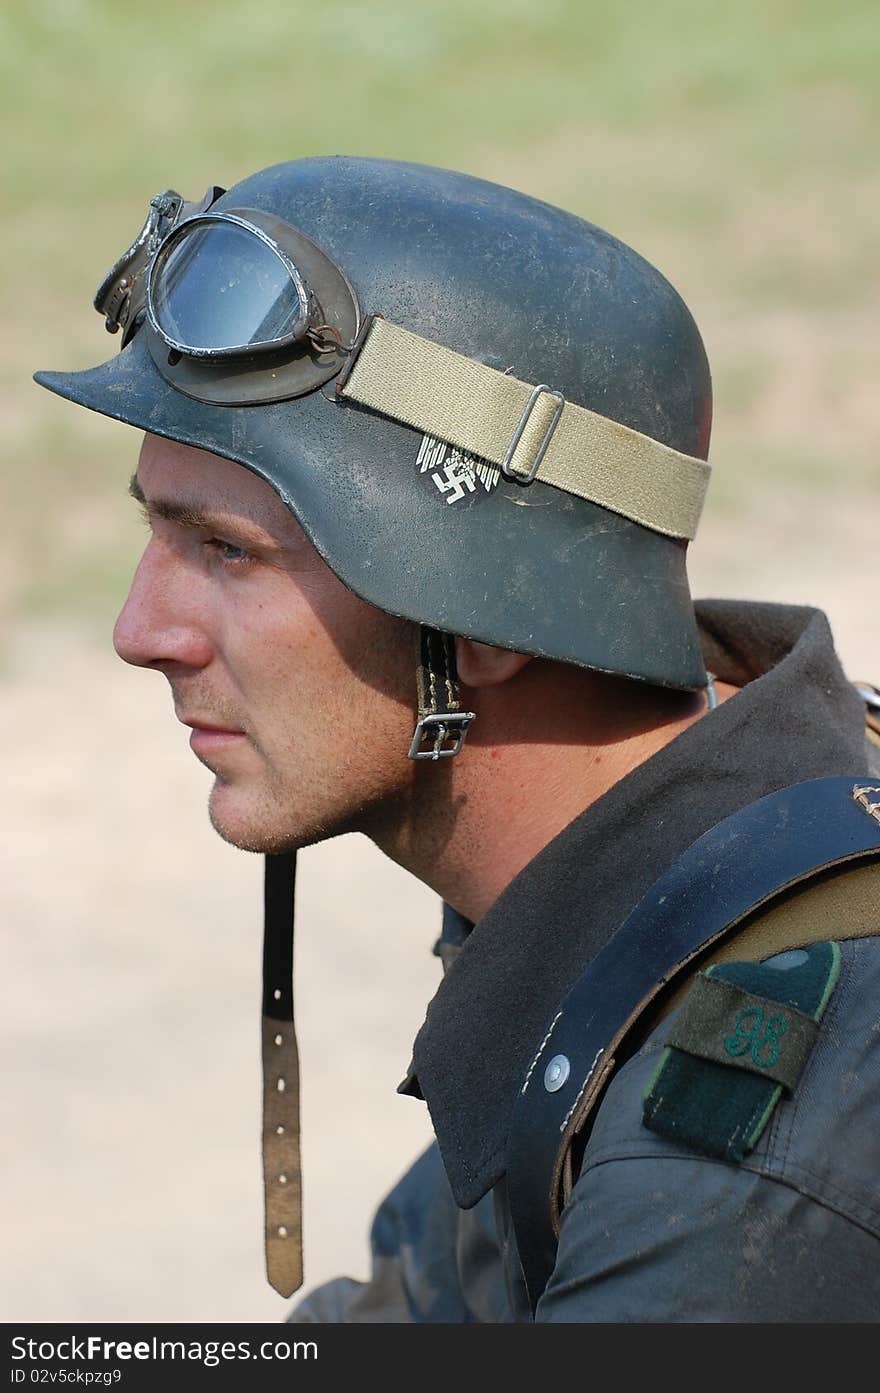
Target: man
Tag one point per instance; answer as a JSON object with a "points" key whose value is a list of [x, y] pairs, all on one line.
{"points": [[414, 440]]}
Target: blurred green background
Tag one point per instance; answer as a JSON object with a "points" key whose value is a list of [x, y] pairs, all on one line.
{"points": [[734, 146]]}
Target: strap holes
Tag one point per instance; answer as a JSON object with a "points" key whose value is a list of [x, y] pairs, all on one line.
{"points": [[280, 1085], [279, 1131], [282, 1232], [282, 1180], [279, 1039], [277, 994]]}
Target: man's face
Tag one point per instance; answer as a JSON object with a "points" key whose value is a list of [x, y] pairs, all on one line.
{"points": [[299, 694]]}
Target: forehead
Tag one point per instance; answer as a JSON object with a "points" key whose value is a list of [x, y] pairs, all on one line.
{"points": [[182, 473]]}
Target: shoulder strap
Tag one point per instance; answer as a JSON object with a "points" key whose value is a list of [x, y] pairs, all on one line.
{"points": [[736, 869], [841, 904]]}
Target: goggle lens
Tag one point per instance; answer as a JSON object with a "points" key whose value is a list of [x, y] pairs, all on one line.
{"points": [[218, 287]]}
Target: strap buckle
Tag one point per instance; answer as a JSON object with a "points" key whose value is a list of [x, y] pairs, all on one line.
{"points": [[517, 435], [440, 727]]}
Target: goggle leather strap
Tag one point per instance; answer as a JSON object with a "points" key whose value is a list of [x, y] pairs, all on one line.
{"points": [[282, 1173], [440, 717], [530, 432]]}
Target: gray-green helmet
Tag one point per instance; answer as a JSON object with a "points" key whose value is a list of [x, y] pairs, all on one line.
{"points": [[243, 313]]}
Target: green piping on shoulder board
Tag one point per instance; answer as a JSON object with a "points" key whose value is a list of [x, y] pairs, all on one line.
{"points": [[741, 1039]]}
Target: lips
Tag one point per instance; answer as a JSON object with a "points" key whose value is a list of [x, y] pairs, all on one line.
{"points": [[210, 738], [198, 724]]}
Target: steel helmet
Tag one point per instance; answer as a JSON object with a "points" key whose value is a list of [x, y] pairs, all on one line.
{"points": [[417, 491], [489, 417]]}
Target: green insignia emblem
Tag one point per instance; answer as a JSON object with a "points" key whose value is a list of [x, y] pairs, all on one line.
{"points": [[762, 1045]]}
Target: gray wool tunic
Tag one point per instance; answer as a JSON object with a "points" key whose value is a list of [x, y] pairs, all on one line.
{"points": [[652, 1231]]}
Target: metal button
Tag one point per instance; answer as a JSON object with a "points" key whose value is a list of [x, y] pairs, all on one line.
{"points": [[556, 1073]]}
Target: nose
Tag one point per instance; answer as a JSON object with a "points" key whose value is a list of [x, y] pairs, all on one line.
{"points": [[161, 624]]}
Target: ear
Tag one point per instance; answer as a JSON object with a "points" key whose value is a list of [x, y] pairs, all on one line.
{"points": [[481, 665]]}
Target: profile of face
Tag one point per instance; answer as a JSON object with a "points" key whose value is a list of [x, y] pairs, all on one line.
{"points": [[299, 694]]}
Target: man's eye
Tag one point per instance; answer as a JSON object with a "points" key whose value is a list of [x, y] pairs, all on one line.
{"points": [[228, 551]]}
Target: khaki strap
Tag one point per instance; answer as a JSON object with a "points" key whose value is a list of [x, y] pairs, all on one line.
{"points": [[455, 398]]}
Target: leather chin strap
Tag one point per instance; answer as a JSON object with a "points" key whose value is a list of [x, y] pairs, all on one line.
{"points": [[282, 1172], [442, 725]]}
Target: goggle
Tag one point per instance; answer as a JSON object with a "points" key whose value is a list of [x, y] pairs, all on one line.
{"points": [[239, 306]]}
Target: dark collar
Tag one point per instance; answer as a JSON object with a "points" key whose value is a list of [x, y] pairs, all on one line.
{"points": [[798, 718]]}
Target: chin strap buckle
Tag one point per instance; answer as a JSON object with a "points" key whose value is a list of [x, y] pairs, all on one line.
{"points": [[442, 725], [440, 728]]}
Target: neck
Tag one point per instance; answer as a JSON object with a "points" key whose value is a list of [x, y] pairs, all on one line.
{"points": [[545, 746]]}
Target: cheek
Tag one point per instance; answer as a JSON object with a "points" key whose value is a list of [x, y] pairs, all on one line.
{"points": [[380, 653], [259, 613], [308, 641], [345, 640]]}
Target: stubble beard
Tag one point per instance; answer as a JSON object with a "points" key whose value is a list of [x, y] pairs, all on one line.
{"points": [[276, 819], [270, 824]]}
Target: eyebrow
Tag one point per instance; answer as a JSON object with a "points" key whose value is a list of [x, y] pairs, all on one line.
{"points": [[190, 514]]}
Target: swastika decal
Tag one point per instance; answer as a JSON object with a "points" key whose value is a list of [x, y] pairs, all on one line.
{"points": [[455, 476]]}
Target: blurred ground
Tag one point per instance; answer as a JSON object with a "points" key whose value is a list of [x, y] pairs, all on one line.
{"points": [[736, 150]]}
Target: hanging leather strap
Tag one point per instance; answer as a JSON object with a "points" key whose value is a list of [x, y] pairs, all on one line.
{"points": [[734, 870], [282, 1173]]}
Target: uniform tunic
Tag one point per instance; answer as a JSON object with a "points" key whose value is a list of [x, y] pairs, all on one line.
{"points": [[652, 1231]]}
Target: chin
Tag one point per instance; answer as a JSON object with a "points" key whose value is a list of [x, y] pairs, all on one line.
{"points": [[259, 828]]}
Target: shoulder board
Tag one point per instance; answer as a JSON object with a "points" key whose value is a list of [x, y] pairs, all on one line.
{"points": [[741, 1039]]}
